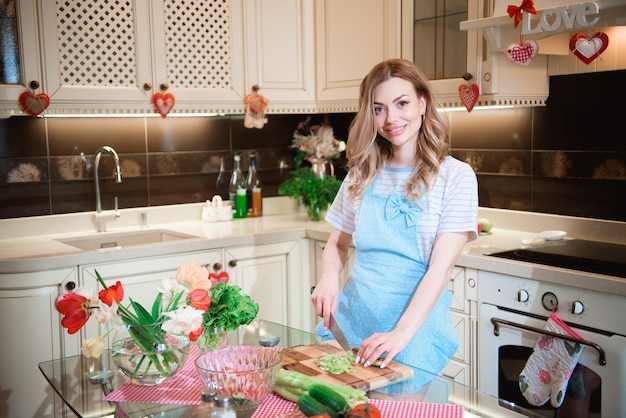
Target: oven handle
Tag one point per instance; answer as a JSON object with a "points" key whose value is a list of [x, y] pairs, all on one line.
{"points": [[496, 332]]}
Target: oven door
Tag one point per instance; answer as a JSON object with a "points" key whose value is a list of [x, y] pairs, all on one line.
{"points": [[502, 358]]}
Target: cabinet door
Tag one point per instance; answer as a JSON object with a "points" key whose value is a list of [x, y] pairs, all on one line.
{"points": [[280, 53], [32, 333], [199, 54], [96, 55], [28, 56], [140, 278], [347, 48], [269, 273]]}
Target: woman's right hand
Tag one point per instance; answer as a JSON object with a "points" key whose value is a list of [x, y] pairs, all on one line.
{"points": [[324, 298]]}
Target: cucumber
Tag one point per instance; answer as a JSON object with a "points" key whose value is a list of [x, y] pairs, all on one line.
{"points": [[311, 407], [329, 397]]}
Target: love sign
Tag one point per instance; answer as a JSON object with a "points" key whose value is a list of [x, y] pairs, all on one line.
{"points": [[587, 48], [34, 104], [163, 103], [522, 54], [468, 95]]}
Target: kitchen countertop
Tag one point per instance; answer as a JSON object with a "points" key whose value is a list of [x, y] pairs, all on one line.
{"points": [[29, 244]]}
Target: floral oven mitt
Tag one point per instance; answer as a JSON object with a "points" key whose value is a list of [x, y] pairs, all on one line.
{"points": [[550, 366]]}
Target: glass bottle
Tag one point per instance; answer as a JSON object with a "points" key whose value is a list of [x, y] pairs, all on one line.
{"points": [[221, 184], [207, 404], [253, 182], [223, 407], [237, 190]]}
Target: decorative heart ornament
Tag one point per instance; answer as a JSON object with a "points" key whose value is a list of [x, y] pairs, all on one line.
{"points": [[469, 95], [163, 103], [588, 49], [34, 104], [522, 54]]}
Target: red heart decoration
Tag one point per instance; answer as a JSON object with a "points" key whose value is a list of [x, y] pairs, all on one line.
{"points": [[469, 95], [34, 104], [163, 103], [522, 54], [588, 49]]}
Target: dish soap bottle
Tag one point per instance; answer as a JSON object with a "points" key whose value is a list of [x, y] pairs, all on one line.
{"points": [[237, 190], [223, 408], [253, 182]]}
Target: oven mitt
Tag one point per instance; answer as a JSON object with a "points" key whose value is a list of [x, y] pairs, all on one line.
{"points": [[550, 366]]}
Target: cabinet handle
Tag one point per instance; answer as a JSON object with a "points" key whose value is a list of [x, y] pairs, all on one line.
{"points": [[164, 86], [147, 86], [70, 286], [496, 332], [34, 84], [217, 267], [232, 263]]}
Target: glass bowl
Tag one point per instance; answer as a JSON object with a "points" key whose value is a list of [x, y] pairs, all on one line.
{"points": [[246, 373]]}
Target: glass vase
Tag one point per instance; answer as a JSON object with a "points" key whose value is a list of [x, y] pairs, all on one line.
{"points": [[319, 167], [315, 212], [212, 340], [147, 355]]}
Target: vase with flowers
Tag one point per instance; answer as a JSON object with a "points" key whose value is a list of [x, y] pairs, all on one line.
{"points": [[148, 346], [311, 184]]}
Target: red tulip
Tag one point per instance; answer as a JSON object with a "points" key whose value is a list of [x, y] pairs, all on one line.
{"points": [[200, 299], [76, 310], [112, 293]]}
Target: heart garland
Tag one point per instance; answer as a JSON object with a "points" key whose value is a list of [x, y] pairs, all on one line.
{"points": [[34, 104], [163, 103], [522, 54], [469, 95], [587, 48]]}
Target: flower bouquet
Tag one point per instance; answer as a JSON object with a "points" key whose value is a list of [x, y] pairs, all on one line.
{"points": [[310, 185], [149, 347]]}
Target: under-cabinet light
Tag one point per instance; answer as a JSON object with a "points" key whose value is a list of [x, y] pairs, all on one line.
{"points": [[463, 109], [128, 115]]}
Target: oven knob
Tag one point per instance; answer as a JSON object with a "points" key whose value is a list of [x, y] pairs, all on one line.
{"points": [[578, 307], [522, 295], [549, 301]]}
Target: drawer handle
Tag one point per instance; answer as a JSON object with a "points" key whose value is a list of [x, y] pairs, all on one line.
{"points": [[70, 286], [496, 332]]}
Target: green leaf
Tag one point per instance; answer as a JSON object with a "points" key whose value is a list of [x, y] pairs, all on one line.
{"points": [[309, 189]]}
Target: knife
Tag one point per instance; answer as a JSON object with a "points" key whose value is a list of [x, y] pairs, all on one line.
{"points": [[339, 335]]}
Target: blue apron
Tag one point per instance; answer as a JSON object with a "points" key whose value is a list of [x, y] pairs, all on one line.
{"points": [[387, 270]]}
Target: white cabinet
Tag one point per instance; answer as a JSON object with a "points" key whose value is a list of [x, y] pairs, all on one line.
{"points": [[29, 58], [351, 37], [280, 53], [32, 333], [140, 278], [463, 313], [270, 274], [111, 57]]}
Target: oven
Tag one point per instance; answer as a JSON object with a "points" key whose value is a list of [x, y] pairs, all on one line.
{"points": [[512, 314]]}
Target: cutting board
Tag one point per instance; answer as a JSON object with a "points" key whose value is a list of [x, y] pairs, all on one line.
{"points": [[302, 359]]}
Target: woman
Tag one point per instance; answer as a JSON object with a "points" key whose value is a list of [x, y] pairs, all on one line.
{"points": [[409, 208]]}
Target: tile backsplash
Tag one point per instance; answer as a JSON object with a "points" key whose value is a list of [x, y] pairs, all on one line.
{"points": [[567, 158]]}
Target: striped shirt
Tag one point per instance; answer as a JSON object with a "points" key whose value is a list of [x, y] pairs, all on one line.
{"points": [[450, 206]]}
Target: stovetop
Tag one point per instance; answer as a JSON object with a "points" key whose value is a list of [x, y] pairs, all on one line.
{"points": [[575, 254]]}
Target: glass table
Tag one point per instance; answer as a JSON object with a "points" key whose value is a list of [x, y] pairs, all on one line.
{"points": [[83, 383]]}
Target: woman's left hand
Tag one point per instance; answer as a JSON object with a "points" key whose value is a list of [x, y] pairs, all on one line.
{"points": [[387, 344]]}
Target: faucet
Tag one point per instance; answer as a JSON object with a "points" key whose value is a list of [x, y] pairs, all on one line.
{"points": [[101, 218]]}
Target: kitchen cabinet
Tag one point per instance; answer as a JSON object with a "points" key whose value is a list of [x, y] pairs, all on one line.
{"points": [[351, 37], [270, 274], [29, 59], [432, 39], [32, 332], [463, 313], [111, 57], [280, 53]]}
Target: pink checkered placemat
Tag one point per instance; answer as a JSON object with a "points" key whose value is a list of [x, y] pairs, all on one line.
{"points": [[185, 389]]}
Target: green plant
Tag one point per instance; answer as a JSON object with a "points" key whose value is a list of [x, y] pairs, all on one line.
{"points": [[313, 192]]}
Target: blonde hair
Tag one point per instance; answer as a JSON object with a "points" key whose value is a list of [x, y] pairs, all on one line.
{"points": [[367, 151]]}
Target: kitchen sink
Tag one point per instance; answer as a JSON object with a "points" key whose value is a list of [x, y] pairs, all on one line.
{"points": [[123, 239]]}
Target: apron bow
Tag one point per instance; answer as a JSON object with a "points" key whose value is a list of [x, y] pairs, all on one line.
{"points": [[396, 206]]}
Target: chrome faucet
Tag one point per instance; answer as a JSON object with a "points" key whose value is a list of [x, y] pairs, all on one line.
{"points": [[100, 217]]}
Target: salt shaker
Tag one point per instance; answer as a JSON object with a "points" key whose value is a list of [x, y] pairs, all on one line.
{"points": [[223, 407], [207, 406]]}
